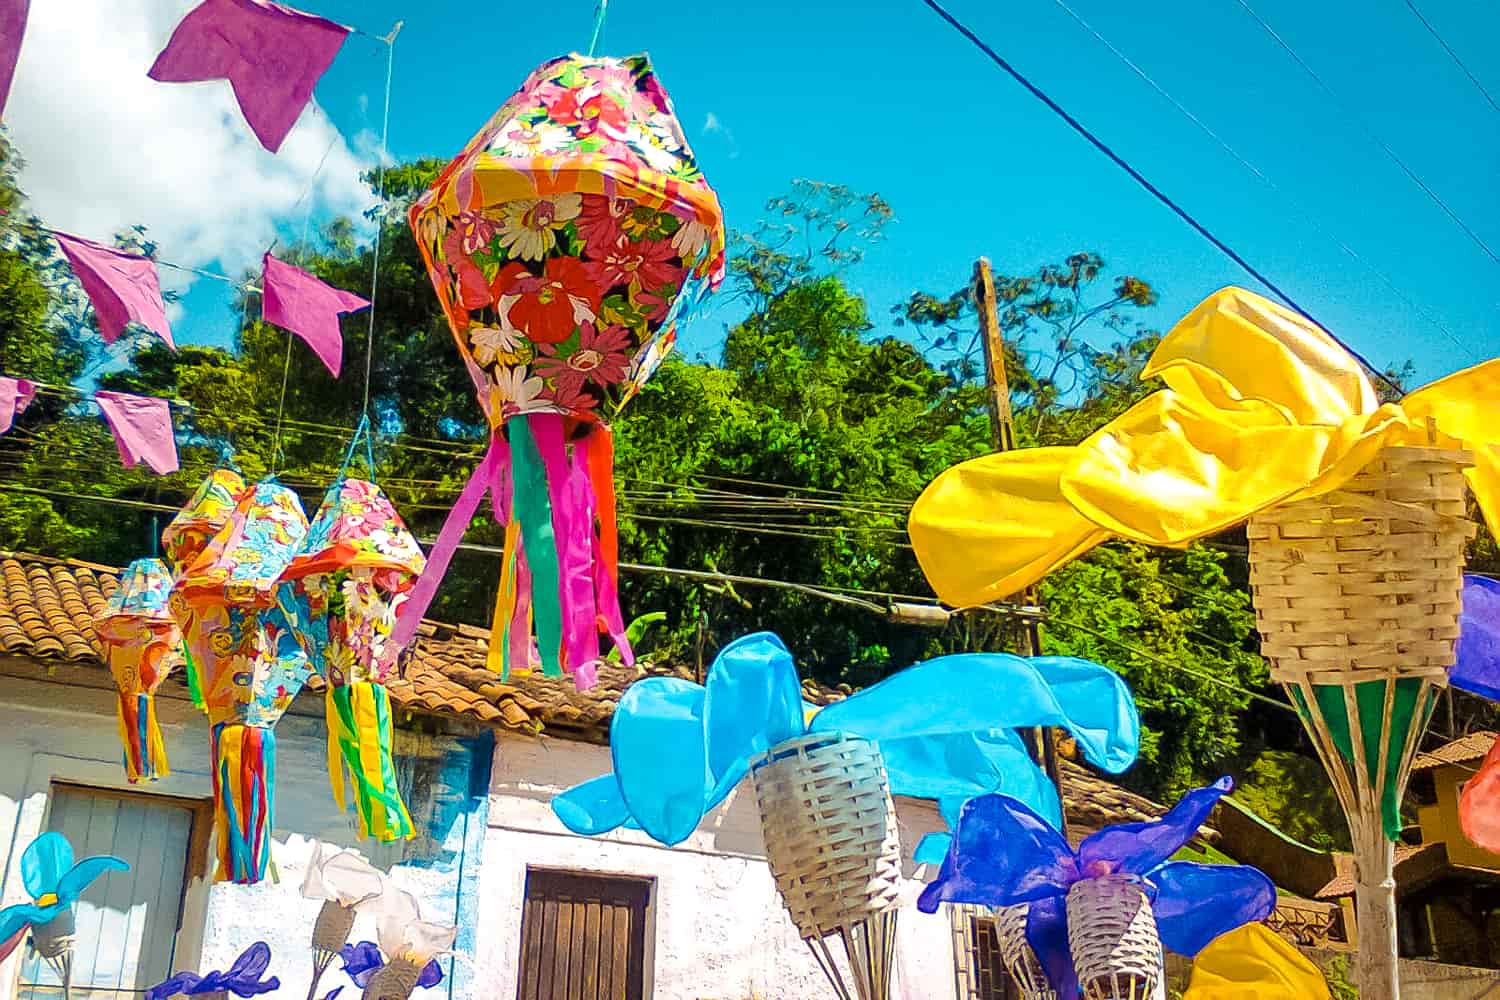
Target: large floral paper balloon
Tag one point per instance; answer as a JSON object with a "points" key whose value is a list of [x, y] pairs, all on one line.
{"points": [[563, 243], [183, 542], [355, 568], [141, 641], [253, 664]]}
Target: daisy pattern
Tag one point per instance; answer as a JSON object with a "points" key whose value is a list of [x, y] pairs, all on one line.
{"points": [[539, 139], [527, 228], [493, 343], [516, 390]]}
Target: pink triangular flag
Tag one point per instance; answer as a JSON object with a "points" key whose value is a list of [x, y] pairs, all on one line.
{"points": [[271, 55], [15, 395], [142, 426], [122, 286], [303, 304], [12, 27]]}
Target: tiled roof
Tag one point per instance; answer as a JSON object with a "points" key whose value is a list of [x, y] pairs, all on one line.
{"points": [[1461, 751], [1416, 865], [47, 607]]}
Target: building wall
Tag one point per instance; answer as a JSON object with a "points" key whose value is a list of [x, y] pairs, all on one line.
{"points": [[1448, 782], [720, 932], [55, 730]]}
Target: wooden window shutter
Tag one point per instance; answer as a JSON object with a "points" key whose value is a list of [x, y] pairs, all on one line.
{"points": [[583, 937]]}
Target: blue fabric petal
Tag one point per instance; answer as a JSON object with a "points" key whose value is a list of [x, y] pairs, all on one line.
{"points": [[1099, 707], [660, 756], [361, 961], [1477, 666], [1136, 848], [1196, 903], [1002, 853], [22, 915], [78, 878], [753, 702], [1047, 933], [955, 768], [44, 862], [431, 974], [593, 807], [933, 848]]}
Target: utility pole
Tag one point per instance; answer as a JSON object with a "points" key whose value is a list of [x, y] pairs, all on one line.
{"points": [[1042, 742]]}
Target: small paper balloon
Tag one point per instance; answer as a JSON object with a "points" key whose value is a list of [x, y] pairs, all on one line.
{"points": [[142, 642]]}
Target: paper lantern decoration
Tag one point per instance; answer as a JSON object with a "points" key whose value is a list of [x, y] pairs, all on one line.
{"points": [[142, 642], [356, 566], [253, 664], [563, 243], [182, 543]]}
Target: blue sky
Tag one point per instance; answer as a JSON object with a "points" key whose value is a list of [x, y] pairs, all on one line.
{"points": [[886, 97]]}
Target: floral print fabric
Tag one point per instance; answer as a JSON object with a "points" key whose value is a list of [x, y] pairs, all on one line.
{"points": [[567, 236]]}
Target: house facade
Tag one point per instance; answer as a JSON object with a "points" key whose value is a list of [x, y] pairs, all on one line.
{"points": [[542, 913]]}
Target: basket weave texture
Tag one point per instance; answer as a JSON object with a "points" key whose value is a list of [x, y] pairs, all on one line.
{"points": [[830, 830], [1020, 960], [1112, 935], [1368, 576]]}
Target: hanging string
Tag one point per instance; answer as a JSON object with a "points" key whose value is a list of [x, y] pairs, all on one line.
{"points": [[599, 14], [385, 138]]}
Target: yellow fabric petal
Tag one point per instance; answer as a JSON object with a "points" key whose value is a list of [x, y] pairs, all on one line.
{"points": [[1466, 405], [991, 527], [1254, 963], [1237, 346]]}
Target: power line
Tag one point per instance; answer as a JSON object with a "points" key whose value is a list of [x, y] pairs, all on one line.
{"points": [[1119, 161], [1369, 133], [1452, 55], [1301, 210]]}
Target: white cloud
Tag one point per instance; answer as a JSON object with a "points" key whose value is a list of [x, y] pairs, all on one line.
{"points": [[713, 124], [106, 147]]}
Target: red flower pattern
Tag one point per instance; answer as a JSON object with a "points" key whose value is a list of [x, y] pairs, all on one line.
{"points": [[648, 264], [545, 305]]}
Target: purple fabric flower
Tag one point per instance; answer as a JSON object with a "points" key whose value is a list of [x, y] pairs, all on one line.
{"points": [[1004, 854], [363, 960], [1477, 666], [243, 978]]}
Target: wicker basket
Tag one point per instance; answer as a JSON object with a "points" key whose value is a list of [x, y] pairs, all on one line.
{"points": [[1112, 935], [830, 834], [1020, 960]]}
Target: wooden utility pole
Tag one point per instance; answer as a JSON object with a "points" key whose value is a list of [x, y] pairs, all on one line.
{"points": [[1043, 741]]}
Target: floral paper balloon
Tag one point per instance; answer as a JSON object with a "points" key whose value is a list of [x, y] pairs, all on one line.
{"points": [[141, 642], [563, 244], [182, 543], [355, 568]]}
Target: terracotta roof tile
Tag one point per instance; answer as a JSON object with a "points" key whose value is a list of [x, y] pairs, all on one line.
{"points": [[47, 608], [1413, 862], [1461, 751]]}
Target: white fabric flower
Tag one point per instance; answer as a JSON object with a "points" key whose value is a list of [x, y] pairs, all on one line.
{"points": [[346, 878], [403, 934]]}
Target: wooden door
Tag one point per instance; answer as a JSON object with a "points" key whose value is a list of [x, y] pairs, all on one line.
{"points": [[583, 937]]}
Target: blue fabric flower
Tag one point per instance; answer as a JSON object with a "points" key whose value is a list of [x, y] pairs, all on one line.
{"points": [[243, 978], [363, 960], [1004, 854], [947, 730], [1477, 658], [54, 883]]}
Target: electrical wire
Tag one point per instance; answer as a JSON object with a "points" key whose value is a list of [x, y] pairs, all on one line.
{"points": [[1369, 133], [1431, 30], [1305, 214]]}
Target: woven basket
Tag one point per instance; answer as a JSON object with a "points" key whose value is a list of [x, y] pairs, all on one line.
{"points": [[1112, 935], [1367, 577], [1020, 960], [830, 835]]}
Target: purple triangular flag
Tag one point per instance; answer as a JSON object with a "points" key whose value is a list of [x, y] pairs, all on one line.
{"points": [[142, 426], [15, 395], [122, 286], [302, 303], [271, 55], [12, 27]]}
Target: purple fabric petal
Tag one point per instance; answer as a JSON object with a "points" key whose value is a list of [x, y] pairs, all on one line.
{"points": [[361, 961], [142, 426], [122, 287], [1136, 848], [12, 27], [1047, 933], [300, 302], [271, 55], [431, 974], [1477, 669], [333, 993], [15, 393], [1002, 853], [1196, 903], [242, 978]]}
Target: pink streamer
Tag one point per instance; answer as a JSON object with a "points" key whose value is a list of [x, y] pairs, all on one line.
{"points": [[573, 533], [302, 303], [142, 426], [606, 596], [15, 395], [122, 286], [520, 655]]}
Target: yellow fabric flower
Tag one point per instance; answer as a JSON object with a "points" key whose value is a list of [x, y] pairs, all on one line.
{"points": [[1260, 408], [1254, 963]]}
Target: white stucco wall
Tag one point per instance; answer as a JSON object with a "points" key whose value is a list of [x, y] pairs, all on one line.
{"points": [[56, 731], [720, 931]]}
